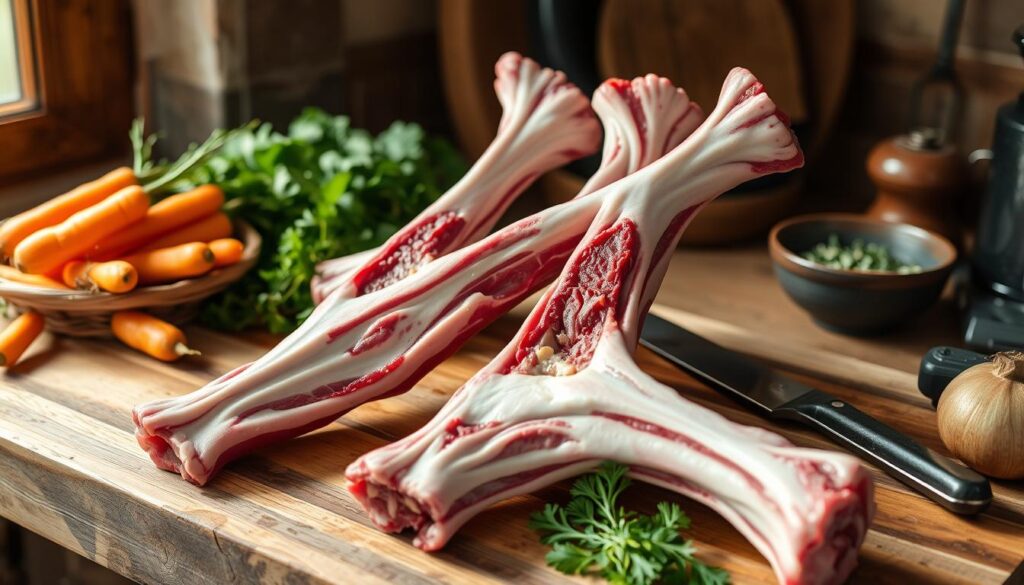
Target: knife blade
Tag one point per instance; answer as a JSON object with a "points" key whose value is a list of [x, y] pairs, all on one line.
{"points": [[945, 481]]}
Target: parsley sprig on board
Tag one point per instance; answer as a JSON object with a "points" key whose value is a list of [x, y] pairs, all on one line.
{"points": [[593, 535]]}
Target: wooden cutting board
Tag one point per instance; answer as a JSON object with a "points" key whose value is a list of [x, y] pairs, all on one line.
{"points": [[696, 42], [70, 470]]}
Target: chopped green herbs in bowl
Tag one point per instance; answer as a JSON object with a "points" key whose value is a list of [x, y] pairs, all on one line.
{"points": [[858, 255], [858, 275]]}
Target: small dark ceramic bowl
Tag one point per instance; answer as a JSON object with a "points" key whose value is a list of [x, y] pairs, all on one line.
{"points": [[860, 302]]}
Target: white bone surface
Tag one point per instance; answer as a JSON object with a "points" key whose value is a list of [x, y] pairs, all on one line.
{"points": [[513, 428], [546, 122], [357, 348]]}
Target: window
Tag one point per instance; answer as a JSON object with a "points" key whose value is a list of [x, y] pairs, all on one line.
{"points": [[65, 82], [17, 59]]}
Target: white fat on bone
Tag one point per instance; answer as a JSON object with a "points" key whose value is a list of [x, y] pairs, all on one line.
{"points": [[516, 426], [353, 350], [546, 122]]}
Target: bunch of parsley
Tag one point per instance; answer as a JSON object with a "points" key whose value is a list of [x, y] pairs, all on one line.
{"points": [[591, 534], [322, 190]]}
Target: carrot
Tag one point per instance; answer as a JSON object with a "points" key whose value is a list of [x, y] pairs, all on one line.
{"points": [[58, 209], [150, 335], [211, 228], [17, 336], [116, 276], [170, 214], [51, 247], [170, 264], [73, 274], [226, 251], [13, 274]]}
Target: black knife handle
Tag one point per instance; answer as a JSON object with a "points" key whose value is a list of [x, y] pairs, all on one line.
{"points": [[940, 365], [950, 484]]}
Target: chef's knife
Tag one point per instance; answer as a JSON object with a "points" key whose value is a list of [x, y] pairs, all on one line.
{"points": [[952, 485]]}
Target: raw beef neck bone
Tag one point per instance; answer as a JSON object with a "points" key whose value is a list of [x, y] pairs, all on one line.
{"points": [[805, 510], [353, 350], [643, 119], [742, 139], [546, 122], [566, 394]]}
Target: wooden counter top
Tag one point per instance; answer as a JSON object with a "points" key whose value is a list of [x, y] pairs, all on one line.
{"points": [[70, 468]]}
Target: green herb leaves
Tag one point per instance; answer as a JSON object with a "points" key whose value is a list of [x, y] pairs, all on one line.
{"points": [[857, 256], [591, 534], [165, 178], [323, 190]]}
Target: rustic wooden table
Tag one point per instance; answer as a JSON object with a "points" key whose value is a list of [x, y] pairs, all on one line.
{"points": [[70, 468]]}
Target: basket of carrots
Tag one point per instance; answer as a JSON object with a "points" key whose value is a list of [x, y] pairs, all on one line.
{"points": [[105, 249]]}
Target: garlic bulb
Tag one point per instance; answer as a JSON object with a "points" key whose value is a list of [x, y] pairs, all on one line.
{"points": [[981, 416]]}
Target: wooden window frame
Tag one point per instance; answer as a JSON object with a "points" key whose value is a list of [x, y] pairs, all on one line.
{"points": [[25, 48], [83, 70]]}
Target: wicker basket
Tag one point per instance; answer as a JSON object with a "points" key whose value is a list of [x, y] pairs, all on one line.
{"points": [[87, 314]]}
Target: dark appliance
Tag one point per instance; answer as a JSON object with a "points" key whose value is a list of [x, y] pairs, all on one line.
{"points": [[994, 302]]}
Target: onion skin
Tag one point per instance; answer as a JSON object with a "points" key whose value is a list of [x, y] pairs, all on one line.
{"points": [[981, 416]]}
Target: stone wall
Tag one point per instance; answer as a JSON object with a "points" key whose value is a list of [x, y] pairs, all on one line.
{"points": [[218, 63], [211, 63]]}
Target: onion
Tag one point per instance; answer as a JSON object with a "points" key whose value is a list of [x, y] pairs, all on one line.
{"points": [[981, 416]]}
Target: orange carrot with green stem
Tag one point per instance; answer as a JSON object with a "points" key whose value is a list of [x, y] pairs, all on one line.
{"points": [[60, 208], [154, 179], [115, 276], [18, 335], [166, 216], [50, 248], [171, 264], [211, 228], [150, 335]]}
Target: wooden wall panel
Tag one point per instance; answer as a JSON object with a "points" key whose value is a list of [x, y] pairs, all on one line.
{"points": [[85, 59]]}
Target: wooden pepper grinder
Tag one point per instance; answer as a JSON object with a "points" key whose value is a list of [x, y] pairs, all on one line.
{"points": [[920, 174], [918, 180]]}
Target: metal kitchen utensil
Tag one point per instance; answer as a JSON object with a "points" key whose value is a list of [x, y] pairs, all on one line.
{"points": [[936, 98], [950, 484], [920, 175]]}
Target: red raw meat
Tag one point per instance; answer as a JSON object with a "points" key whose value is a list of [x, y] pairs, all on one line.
{"points": [[546, 122], [566, 394], [354, 349]]}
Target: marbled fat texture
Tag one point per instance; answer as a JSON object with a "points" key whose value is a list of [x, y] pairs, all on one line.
{"points": [[359, 347], [566, 394]]}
